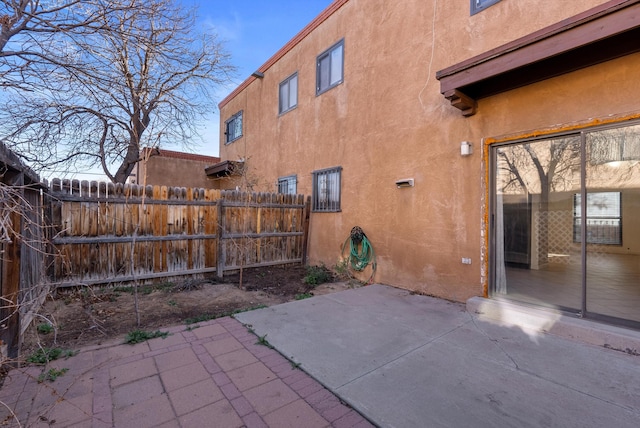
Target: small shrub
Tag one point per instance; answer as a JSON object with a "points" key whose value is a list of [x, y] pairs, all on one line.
{"points": [[44, 355], [51, 375], [317, 275], [44, 328], [302, 296], [139, 336]]}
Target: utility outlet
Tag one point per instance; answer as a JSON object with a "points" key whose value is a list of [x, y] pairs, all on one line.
{"points": [[466, 261]]}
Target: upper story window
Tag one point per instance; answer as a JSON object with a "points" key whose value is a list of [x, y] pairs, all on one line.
{"points": [[480, 5], [287, 185], [604, 218], [329, 68], [326, 189], [288, 93], [233, 127]]}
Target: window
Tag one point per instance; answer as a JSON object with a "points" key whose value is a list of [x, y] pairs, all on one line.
{"points": [[287, 185], [603, 218], [233, 128], [480, 5], [288, 93], [329, 70], [326, 190]]}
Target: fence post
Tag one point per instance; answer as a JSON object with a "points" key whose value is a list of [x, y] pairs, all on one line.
{"points": [[10, 279], [220, 251], [305, 229]]}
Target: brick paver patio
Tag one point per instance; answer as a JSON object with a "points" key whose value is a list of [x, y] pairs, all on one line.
{"points": [[214, 375]]}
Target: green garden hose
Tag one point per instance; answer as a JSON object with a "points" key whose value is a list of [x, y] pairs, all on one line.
{"points": [[361, 252]]}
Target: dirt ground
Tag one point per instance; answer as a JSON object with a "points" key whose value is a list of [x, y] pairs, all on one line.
{"points": [[91, 316]]}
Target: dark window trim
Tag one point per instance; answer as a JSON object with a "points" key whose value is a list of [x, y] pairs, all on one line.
{"points": [[287, 81], [600, 34], [339, 43], [480, 5], [328, 206], [234, 117]]}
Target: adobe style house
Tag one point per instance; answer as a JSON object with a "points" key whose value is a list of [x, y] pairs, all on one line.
{"points": [[487, 148], [161, 167]]}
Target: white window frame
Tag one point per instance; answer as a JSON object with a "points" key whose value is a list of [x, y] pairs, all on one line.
{"points": [[330, 68], [288, 185], [233, 127], [327, 190], [288, 94]]}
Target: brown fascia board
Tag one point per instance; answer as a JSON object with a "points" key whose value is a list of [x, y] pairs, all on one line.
{"points": [[154, 151], [605, 32], [223, 169], [324, 15]]}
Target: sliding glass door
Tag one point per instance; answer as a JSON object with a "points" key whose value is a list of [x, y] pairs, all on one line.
{"points": [[566, 222]]}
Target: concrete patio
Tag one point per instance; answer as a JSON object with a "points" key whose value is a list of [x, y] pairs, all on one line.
{"points": [[407, 360]]}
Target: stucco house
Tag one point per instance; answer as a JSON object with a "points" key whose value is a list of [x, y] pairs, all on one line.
{"points": [[161, 167], [486, 147]]}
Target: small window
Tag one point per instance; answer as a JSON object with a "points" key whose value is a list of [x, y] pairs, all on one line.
{"points": [[233, 128], [604, 221], [326, 190], [480, 5], [288, 93], [287, 185], [329, 68]]}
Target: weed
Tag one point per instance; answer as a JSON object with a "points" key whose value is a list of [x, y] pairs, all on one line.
{"points": [[44, 355], [317, 275], [295, 365], [51, 375], [138, 336], [342, 268], [44, 328], [262, 340], [302, 296], [172, 303]]}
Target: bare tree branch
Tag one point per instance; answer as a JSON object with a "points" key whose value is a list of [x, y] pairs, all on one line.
{"points": [[132, 73]]}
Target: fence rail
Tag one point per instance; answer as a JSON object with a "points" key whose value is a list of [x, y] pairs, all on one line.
{"points": [[105, 233]]}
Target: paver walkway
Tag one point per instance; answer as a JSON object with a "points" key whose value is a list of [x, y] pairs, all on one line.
{"points": [[216, 375]]}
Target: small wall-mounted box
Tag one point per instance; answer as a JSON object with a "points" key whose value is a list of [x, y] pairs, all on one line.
{"points": [[405, 182]]}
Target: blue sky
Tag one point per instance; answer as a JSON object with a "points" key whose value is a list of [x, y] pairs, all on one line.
{"points": [[251, 31]]}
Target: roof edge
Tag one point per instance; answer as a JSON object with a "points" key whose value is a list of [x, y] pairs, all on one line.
{"points": [[324, 15]]}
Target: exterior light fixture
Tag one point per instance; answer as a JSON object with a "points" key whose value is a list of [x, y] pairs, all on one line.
{"points": [[466, 148], [258, 74], [405, 182]]}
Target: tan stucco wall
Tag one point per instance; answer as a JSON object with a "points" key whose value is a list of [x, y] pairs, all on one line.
{"points": [[168, 171], [388, 121]]}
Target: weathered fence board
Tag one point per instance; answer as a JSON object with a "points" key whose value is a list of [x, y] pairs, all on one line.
{"points": [[23, 280], [114, 234]]}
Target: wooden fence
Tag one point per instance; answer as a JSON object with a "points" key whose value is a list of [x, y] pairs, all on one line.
{"points": [[23, 281], [108, 234]]}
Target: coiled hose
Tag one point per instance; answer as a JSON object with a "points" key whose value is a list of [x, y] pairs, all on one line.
{"points": [[361, 252]]}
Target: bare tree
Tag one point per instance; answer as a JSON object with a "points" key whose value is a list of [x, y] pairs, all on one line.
{"points": [[36, 35], [140, 76]]}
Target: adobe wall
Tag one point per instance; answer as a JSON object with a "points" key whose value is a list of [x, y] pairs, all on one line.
{"points": [[388, 121], [169, 171]]}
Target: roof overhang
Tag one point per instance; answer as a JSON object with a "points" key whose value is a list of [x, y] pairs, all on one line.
{"points": [[224, 169], [606, 32]]}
